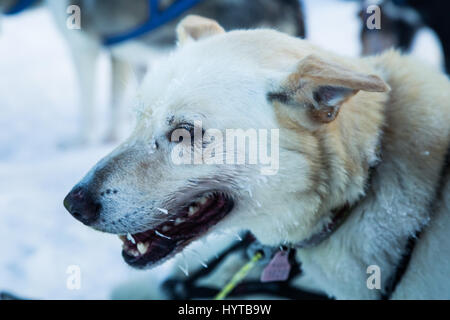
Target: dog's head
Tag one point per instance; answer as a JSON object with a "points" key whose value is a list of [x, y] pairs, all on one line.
{"points": [[226, 137]]}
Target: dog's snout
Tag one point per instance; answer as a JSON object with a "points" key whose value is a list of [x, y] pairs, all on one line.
{"points": [[81, 205]]}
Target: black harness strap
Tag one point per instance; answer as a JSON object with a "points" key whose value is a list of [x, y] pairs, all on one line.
{"points": [[187, 288], [402, 266]]}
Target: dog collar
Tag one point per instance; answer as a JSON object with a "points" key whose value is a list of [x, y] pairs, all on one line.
{"points": [[338, 216]]}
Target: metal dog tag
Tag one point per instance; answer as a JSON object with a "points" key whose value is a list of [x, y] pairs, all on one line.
{"points": [[278, 268]]}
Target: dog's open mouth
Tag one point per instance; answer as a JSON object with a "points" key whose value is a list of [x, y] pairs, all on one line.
{"points": [[155, 245]]}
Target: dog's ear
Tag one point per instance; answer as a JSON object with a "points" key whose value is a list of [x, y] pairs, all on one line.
{"points": [[322, 87], [195, 28]]}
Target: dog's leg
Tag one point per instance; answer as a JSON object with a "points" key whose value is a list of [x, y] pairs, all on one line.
{"points": [[84, 51], [84, 55], [120, 72], [140, 71], [85, 64]]}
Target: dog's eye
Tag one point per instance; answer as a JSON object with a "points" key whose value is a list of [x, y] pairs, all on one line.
{"points": [[188, 127], [179, 133]]}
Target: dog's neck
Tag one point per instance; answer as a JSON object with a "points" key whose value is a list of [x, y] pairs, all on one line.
{"points": [[337, 219], [337, 215], [385, 212], [352, 156], [340, 155]]}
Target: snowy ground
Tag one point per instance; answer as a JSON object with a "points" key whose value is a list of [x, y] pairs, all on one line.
{"points": [[38, 238]]}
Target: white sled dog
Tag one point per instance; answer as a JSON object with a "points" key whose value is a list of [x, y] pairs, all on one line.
{"points": [[362, 185]]}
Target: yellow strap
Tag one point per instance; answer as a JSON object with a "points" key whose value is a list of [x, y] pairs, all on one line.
{"points": [[238, 277]]}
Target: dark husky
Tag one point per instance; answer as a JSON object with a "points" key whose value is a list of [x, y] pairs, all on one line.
{"points": [[400, 22]]}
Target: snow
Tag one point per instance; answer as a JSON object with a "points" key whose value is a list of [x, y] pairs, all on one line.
{"points": [[39, 240]]}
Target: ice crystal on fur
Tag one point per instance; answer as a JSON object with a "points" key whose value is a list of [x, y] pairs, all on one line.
{"points": [[165, 211]]}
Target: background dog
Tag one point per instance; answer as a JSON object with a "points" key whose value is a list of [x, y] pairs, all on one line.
{"points": [[401, 20], [104, 18]]}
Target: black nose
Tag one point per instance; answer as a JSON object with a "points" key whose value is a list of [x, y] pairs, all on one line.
{"points": [[82, 206]]}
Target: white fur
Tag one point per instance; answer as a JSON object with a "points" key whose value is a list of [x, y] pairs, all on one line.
{"points": [[224, 81]]}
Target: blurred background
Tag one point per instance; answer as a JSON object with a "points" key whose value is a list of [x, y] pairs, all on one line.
{"points": [[40, 160]]}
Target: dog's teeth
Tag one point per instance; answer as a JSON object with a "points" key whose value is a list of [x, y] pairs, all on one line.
{"points": [[165, 211], [203, 200], [134, 253], [130, 238], [192, 210], [165, 228], [161, 235], [179, 221], [142, 248]]}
